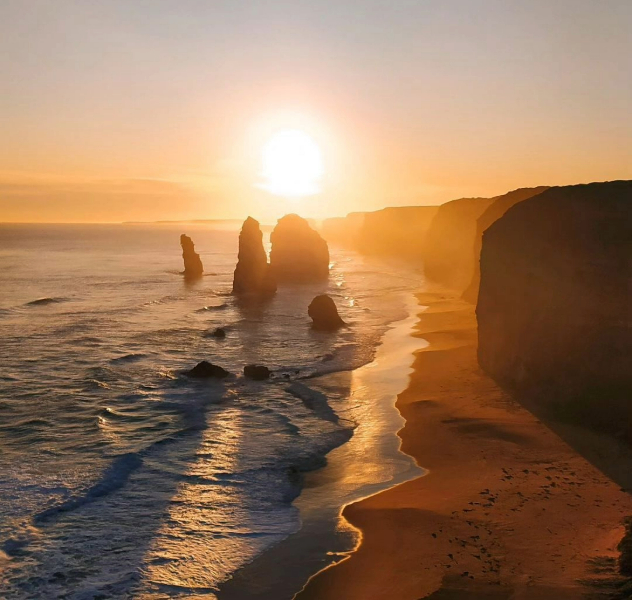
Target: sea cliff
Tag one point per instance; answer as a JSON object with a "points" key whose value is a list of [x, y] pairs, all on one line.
{"points": [[555, 303]]}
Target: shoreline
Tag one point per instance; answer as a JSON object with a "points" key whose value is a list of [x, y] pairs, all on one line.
{"points": [[370, 462], [507, 509]]}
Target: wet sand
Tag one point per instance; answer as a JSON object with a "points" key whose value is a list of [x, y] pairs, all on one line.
{"points": [[507, 509]]}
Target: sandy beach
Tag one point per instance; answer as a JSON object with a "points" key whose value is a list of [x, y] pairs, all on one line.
{"points": [[507, 508]]}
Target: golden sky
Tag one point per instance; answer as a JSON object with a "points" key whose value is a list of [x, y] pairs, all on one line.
{"points": [[159, 109]]}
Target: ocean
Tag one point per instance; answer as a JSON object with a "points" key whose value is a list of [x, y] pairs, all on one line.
{"points": [[119, 476]]}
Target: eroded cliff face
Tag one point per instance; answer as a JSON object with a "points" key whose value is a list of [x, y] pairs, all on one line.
{"points": [[499, 206], [448, 246], [298, 254], [396, 231], [343, 230], [555, 302]]}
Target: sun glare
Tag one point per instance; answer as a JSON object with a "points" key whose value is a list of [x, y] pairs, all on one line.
{"points": [[292, 164]]}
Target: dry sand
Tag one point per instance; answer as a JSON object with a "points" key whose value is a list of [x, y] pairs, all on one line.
{"points": [[507, 510]]}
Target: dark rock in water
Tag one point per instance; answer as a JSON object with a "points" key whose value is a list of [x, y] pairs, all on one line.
{"points": [[555, 303], [252, 273], [219, 332], [205, 370], [257, 372], [192, 264], [298, 252], [324, 313]]}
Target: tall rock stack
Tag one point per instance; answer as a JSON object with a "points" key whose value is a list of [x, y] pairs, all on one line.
{"points": [[253, 275], [299, 254], [192, 264]]}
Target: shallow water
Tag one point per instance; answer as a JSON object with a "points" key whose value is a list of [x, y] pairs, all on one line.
{"points": [[119, 476]]}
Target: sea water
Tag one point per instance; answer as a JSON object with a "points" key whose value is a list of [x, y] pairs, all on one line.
{"points": [[121, 477]]}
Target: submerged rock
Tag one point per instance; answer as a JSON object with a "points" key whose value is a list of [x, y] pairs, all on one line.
{"points": [[256, 372], [299, 254], [207, 370], [192, 263], [324, 313], [252, 273], [219, 332]]}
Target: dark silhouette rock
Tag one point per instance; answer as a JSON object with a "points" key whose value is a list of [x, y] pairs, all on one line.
{"points": [[555, 303], [252, 273], [207, 370], [324, 314], [192, 264], [298, 254], [257, 372], [219, 332]]}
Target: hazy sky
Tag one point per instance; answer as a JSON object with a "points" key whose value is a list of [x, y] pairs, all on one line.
{"points": [[158, 109]]}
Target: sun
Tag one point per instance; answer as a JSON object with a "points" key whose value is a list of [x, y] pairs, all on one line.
{"points": [[292, 164]]}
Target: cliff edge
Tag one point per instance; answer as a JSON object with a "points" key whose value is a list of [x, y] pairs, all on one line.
{"points": [[555, 302]]}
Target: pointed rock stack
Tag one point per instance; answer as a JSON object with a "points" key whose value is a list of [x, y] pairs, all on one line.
{"points": [[252, 273], [298, 254], [192, 264]]}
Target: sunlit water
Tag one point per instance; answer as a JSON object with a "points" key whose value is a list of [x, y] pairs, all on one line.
{"points": [[120, 477]]}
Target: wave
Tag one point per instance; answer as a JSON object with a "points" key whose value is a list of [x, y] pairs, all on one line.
{"points": [[46, 301], [222, 306], [25, 426], [133, 357], [315, 401], [113, 478], [111, 414]]}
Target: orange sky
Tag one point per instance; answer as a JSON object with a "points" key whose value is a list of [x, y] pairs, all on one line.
{"points": [[158, 110]]}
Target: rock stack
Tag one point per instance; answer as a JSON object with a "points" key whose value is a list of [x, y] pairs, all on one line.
{"points": [[192, 264], [253, 275], [299, 254]]}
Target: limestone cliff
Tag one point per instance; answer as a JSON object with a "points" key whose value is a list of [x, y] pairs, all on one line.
{"points": [[555, 302], [343, 230], [447, 247], [396, 231], [499, 206]]}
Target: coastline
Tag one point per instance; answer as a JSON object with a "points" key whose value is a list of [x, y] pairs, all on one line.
{"points": [[371, 461], [507, 509]]}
